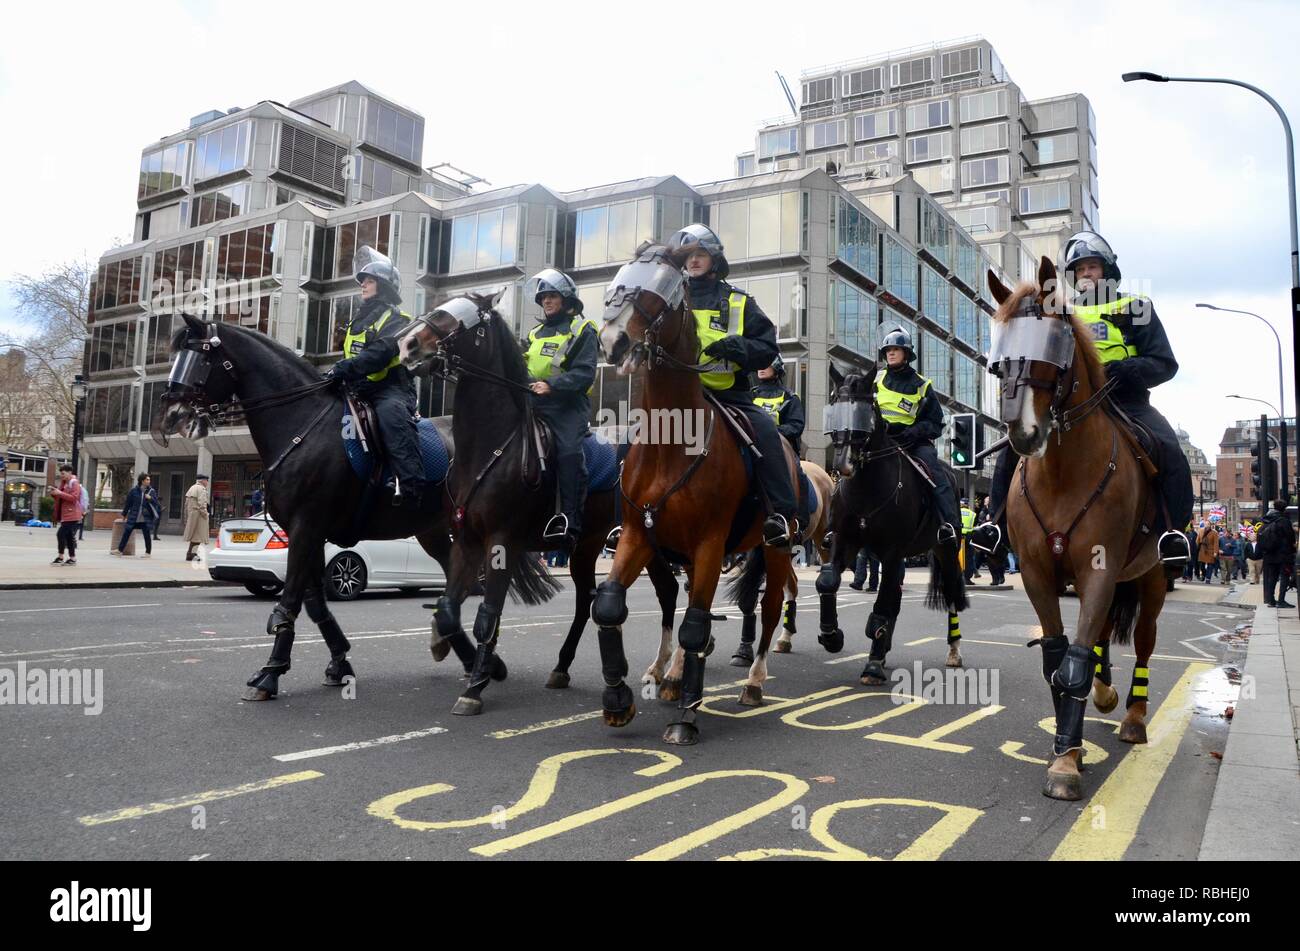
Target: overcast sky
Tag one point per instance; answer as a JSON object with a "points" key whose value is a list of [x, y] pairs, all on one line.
{"points": [[1192, 178]]}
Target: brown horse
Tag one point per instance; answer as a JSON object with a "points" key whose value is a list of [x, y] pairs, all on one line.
{"points": [[1080, 510], [691, 502]]}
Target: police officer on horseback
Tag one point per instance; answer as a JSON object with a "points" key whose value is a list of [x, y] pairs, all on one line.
{"points": [[786, 409], [734, 332], [561, 355], [1136, 354], [372, 367], [914, 419]]}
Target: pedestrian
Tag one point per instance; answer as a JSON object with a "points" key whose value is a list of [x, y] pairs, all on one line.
{"points": [[1013, 565], [1239, 570], [1277, 543], [1189, 572], [85, 508], [138, 512], [1253, 558], [1207, 552], [67, 513], [1227, 557], [865, 563], [196, 515], [257, 502]]}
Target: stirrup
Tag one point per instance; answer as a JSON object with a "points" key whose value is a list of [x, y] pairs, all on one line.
{"points": [[611, 540], [1185, 553], [988, 528], [946, 533], [557, 528], [782, 536]]}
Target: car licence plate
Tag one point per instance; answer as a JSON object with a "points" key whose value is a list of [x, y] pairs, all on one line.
{"points": [[244, 538]]}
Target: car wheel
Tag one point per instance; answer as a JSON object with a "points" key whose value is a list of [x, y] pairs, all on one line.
{"points": [[264, 589], [345, 577]]}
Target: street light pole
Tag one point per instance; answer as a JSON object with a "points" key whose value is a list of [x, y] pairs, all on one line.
{"points": [[1292, 222]]}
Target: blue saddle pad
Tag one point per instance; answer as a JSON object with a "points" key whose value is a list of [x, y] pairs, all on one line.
{"points": [[433, 451], [602, 457], [806, 488]]}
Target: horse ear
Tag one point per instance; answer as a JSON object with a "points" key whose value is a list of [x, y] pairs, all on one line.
{"points": [[197, 326], [496, 298], [1046, 273], [999, 290], [836, 376], [871, 376]]}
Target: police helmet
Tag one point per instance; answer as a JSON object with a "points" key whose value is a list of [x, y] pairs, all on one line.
{"points": [[778, 367], [371, 263], [1089, 244], [551, 281], [699, 237], [898, 337]]}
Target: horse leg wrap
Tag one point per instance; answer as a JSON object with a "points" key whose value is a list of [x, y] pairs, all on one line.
{"points": [[828, 582], [1137, 691], [486, 623], [1102, 670], [954, 628], [693, 636], [787, 619], [748, 628], [609, 608], [1053, 653], [280, 626], [613, 662], [1073, 679], [446, 616], [880, 630]]}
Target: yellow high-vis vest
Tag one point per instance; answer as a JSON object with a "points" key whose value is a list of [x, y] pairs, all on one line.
{"points": [[547, 354], [1107, 337], [710, 328], [354, 343], [898, 407]]}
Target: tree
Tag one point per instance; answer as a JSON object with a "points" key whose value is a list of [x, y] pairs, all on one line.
{"points": [[36, 403]]}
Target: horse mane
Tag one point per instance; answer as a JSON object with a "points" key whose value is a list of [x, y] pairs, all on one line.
{"points": [[512, 358], [1083, 345], [293, 359]]}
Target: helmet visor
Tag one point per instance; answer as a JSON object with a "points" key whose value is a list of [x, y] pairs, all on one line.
{"points": [[847, 416], [367, 256], [464, 310], [656, 277], [1029, 337], [549, 281], [1087, 244], [695, 236]]}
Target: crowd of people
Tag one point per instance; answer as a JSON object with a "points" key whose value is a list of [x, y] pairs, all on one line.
{"points": [[1262, 552]]}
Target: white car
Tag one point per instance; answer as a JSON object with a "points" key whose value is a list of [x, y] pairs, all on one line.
{"points": [[255, 552]]}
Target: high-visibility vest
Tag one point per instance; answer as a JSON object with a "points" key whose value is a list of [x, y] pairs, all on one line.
{"points": [[967, 521], [1107, 337], [354, 343], [898, 407], [710, 328], [546, 354], [771, 404]]}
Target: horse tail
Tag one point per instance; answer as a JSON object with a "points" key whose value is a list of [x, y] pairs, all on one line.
{"points": [[742, 588], [947, 591], [1123, 611], [530, 582]]}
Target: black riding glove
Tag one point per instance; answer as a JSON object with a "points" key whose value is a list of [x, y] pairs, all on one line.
{"points": [[728, 348], [1123, 373]]}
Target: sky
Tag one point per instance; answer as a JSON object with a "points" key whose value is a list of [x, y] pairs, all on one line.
{"points": [[1192, 177]]}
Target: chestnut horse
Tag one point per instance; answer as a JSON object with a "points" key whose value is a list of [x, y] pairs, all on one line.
{"points": [[1080, 510], [678, 498]]}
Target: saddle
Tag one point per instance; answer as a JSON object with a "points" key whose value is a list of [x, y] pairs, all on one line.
{"points": [[1137, 437], [602, 451], [364, 446]]}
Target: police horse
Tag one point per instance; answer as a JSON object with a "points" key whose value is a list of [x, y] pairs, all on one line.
{"points": [[313, 490], [883, 501], [501, 492], [1081, 510]]}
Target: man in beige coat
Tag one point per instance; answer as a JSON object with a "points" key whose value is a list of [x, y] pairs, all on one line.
{"points": [[196, 515]]}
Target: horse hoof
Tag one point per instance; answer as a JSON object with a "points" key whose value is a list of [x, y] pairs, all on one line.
{"points": [[1104, 698], [467, 707], [1133, 731], [558, 680], [439, 647], [833, 641], [670, 691], [954, 658], [682, 734], [743, 657], [873, 674], [751, 696], [782, 646], [617, 718], [498, 671], [1064, 786], [257, 694]]}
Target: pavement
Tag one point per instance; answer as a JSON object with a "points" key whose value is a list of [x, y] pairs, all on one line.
{"points": [[26, 553]]}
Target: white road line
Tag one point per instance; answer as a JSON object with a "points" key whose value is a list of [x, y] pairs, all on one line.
{"points": [[1193, 647], [60, 650], [92, 607], [845, 660], [359, 745]]}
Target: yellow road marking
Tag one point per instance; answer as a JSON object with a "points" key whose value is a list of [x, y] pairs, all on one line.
{"points": [[196, 799], [781, 703], [1127, 791], [931, 740], [1093, 754], [795, 717]]}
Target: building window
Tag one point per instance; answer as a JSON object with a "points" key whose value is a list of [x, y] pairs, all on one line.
{"points": [[311, 158], [246, 255], [936, 298], [782, 298], [873, 125], [116, 284], [394, 131], [966, 329], [900, 272], [926, 148], [164, 169], [856, 317], [855, 239], [1057, 148], [778, 142], [608, 234], [818, 90], [1044, 196], [222, 151], [936, 362], [934, 178], [982, 105], [825, 134], [1056, 115], [762, 226], [219, 205], [961, 62], [863, 82], [966, 380], [334, 248], [876, 152], [928, 115], [911, 72], [988, 171], [746, 165], [984, 138]]}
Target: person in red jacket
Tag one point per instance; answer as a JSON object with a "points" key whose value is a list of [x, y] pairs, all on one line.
{"points": [[67, 513]]}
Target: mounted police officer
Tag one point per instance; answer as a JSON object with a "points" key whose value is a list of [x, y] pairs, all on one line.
{"points": [[561, 354], [786, 409], [1136, 354], [915, 420], [733, 331], [373, 368]]}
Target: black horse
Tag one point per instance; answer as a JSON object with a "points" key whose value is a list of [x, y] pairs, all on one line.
{"points": [[883, 502], [312, 492], [502, 495]]}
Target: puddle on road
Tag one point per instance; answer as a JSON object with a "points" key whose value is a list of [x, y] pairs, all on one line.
{"points": [[1215, 692]]}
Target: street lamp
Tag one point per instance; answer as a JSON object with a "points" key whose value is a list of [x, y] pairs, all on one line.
{"points": [[1234, 396], [79, 403], [1290, 178]]}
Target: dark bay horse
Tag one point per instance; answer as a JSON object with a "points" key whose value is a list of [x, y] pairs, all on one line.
{"points": [[500, 499], [1080, 509], [681, 496], [883, 502], [294, 419]]}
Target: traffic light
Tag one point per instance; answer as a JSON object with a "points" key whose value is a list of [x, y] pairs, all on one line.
{"points": [[1263, 469], [963, 441]]}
